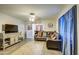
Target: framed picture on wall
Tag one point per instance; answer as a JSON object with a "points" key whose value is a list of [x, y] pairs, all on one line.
{"points": [[50, 25]]}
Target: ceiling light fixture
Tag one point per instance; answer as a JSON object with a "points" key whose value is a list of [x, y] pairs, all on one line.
{"points": [[32, 17]]}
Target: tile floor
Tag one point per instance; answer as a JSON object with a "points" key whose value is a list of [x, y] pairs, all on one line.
{"points": [[30, 48]]}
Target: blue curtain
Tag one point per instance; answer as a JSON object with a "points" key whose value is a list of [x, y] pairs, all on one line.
{"points": [[62, 26], [67, 30]]}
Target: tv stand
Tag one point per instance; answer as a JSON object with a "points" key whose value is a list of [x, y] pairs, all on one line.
{"points": [[7, 40]]}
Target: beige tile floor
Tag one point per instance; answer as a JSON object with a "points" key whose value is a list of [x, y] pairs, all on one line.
{"points": [[30, 48]]}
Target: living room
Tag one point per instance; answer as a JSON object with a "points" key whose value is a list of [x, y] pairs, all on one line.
{"points": [[33, 26]]}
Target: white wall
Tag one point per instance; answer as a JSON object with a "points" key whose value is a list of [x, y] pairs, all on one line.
{"points": [[78, 28], [6, 19], [52, 20]]}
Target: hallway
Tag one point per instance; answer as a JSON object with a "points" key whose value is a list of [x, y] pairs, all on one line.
{"points": [[31, 48]]}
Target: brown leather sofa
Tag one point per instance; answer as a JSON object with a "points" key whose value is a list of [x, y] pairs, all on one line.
{"points": [[54, 44]]}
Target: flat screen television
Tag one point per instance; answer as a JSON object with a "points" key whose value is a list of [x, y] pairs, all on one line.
{"points": [[9, 28]]}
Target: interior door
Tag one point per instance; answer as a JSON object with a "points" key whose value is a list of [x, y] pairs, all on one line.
{"points": [[29, 31]]}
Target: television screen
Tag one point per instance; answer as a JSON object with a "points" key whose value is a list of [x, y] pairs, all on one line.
{"points": [[9, 28]]}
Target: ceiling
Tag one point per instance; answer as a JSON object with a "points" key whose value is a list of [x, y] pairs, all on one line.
{"points": [[22, 11]]}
